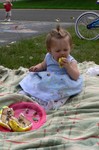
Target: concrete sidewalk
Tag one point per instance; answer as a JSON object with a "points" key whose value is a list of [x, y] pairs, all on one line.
{"points": [[16, 30]]}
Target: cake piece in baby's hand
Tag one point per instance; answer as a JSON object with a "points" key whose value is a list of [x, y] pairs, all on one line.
{"points": [[60, 61]]}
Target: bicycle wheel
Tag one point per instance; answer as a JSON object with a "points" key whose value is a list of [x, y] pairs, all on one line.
{"points": [[81, 26]]}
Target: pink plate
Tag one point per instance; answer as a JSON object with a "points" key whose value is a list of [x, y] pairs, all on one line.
{"points": [[32, 111]]}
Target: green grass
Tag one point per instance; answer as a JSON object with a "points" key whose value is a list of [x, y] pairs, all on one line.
{"points": [[32, 51], [56, 4]]}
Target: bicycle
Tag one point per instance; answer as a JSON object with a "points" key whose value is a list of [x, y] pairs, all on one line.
{"points": [[87, 26]]}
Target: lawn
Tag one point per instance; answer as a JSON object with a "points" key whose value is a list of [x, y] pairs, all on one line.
{"points": [[54, 4]]}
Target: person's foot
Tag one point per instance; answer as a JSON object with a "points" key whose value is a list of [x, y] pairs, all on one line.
{"points": [[98, 1], [5, 19], [9, 20]]}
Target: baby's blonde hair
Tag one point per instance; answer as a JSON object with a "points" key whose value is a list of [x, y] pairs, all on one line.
{"points": [[57, 33]]}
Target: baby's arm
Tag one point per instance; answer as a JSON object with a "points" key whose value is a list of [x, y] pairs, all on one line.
{"points": [[71, 68], [39, 67]]}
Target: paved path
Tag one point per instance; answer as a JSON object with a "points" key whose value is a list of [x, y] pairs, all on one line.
{"points": [[31, 22]]}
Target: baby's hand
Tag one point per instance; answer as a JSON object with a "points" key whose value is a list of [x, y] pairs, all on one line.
{"points": [[63, 62], [36, 68], [33, 69]]}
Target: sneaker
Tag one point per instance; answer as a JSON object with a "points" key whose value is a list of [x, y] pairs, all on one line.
{"points": [[98, 1], [5, 19], [8, 20]]}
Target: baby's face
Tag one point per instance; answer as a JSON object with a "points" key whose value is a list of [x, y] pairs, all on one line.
{"points": [[60, 48]]}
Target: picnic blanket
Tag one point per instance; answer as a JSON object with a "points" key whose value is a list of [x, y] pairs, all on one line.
{"points": [[74, 126]]}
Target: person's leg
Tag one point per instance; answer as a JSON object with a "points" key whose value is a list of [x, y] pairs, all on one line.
{"points": [[9, 16], [6, 16]]}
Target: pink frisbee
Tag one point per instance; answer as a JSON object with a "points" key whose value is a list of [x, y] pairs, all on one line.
{"points": [[32, 111]]}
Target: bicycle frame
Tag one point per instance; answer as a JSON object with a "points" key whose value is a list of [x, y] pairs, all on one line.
{"points": [[94, 24]]}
